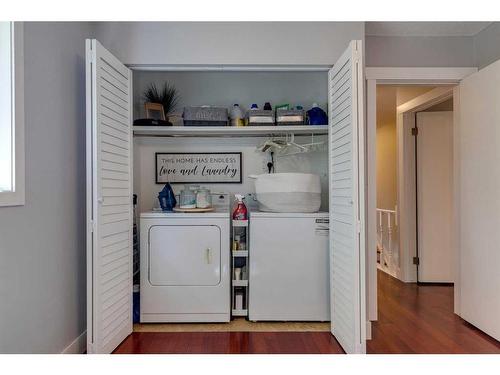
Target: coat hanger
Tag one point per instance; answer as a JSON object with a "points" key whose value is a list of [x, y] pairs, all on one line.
{"points": [[299, 148], [271, 143]]}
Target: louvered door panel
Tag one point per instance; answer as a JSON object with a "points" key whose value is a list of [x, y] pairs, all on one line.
{"points": [[109, 149], [346, 154]]}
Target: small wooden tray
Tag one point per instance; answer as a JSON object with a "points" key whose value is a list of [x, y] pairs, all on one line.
{"points": [[208, 209]]}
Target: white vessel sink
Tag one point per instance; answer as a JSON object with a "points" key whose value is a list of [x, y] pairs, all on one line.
{"points": [[288, 192]]}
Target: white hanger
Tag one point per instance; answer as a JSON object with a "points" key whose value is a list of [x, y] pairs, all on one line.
{"points": [[282, 146], [294, 144], [312, 143], [302, 148], [275, 144]]}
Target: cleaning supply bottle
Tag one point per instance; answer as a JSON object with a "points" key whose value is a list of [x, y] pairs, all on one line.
{"points": [[253, 107], [167, 198], [316, 116], [237, 117], [240, 212]]}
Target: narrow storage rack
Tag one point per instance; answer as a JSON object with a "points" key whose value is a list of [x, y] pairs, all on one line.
{"points": [[239, 268]]}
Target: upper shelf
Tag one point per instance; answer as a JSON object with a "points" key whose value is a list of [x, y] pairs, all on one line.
{"points": [[230, 68], [227, 131]]}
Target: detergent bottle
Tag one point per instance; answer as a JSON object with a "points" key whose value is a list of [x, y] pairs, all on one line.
{"points": [[316, 116], [240, 212], [237, 116]]}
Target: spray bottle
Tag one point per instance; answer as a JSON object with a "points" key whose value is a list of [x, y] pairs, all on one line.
{"points": [[240, 212]]}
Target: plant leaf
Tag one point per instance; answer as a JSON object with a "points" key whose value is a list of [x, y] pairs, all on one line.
{"points": [[168, 96]]}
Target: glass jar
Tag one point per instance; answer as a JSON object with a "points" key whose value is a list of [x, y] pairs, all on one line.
{"points": [[203, 198], [187, 198]]}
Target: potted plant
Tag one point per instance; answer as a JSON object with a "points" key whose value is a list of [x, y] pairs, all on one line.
{"points": [[167, 96]]}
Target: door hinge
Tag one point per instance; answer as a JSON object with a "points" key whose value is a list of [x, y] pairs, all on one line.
{"points": [[92, 225], [91, 55], [414, 131], [358, 226], [416, 261]]}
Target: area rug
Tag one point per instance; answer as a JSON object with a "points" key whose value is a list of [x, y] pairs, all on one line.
{"points": [[236, 325]]}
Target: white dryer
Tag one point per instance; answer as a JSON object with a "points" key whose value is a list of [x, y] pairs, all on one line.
{"points": [[185, 267]]}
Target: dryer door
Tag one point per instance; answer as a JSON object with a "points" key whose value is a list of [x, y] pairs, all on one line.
{"points": [[184, 255]]}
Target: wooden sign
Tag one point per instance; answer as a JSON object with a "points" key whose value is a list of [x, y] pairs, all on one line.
{"points": [[198, 167]]}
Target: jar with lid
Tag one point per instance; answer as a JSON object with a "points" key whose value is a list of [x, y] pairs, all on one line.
{"points": [[203, 198], [187, 198]]}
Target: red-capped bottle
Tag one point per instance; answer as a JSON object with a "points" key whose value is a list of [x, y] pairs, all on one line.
{"points": [[240, 212]]}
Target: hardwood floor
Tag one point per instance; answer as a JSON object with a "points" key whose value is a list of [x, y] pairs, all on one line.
{"points": [[412, 319], [230, 343], [419, 319]]}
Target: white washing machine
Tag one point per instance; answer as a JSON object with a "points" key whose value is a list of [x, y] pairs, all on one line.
{"points": [[185, 267], [289, 275]]}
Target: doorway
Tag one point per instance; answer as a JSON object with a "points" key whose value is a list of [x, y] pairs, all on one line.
{"points": [[414, 181], [441, 79], [434, 193]]}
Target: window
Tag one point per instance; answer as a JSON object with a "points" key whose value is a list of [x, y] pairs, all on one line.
{"points": [[11, 115], [6, 180]]}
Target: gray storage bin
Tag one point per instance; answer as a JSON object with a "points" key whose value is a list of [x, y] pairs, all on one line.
{"points": [[211, 116], [290, 117], [260, 117]]}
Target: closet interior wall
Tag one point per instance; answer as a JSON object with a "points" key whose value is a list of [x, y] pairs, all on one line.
{"points": [[225, 89]]}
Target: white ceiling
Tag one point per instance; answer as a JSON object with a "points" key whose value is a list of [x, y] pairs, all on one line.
{"points": [[424, 28]]}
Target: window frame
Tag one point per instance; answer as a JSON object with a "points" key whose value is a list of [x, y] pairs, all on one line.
{"points": [[16, 197]]}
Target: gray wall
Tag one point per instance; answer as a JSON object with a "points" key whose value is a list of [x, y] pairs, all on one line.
{"points": [[287, 43], [453, 51], [487, 45], [42, 244], [228, 42]]}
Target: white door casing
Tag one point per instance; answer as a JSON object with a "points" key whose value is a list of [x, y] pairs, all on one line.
{"points": [[435, 196], [109, 200], [404, 76], [406, 207], [347, 199]]}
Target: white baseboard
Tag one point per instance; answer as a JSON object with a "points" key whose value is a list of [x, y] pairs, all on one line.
{"points": [[368, 330], [78, 346]]}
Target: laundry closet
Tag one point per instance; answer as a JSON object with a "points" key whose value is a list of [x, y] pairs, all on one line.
{"points": [[277, 255]]}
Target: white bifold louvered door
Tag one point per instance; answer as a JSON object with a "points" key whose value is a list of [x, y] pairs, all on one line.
{"points": [[347, 197], [109, 200]]}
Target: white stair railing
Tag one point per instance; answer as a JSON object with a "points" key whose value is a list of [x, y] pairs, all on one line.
{"points": [[387, 222]]}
